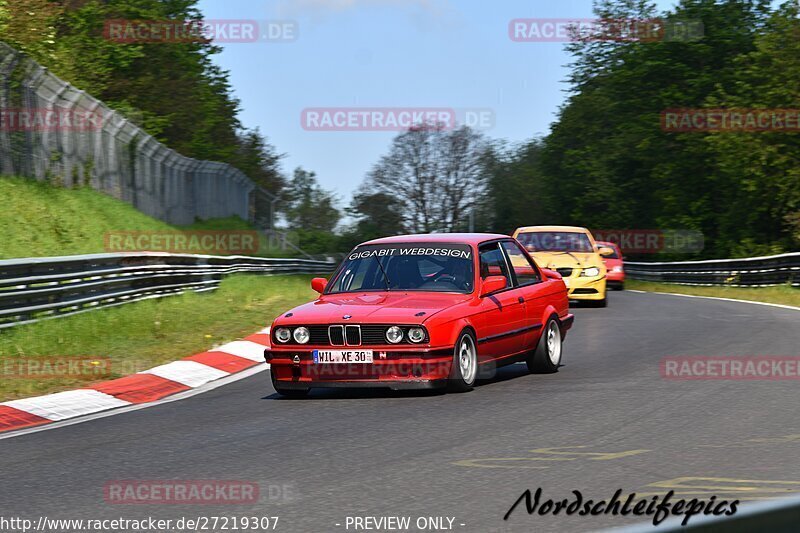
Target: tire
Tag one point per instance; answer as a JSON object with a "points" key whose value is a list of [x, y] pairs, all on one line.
{"points": [[546, 358], [288, 393], [600, 303], [464, 369]]}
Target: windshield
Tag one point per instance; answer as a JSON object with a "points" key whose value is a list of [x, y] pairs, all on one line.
{"points": [[406, 267], [555, 241]]}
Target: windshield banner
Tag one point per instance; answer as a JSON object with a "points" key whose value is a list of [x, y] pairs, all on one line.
{"points": [[439, 250]]}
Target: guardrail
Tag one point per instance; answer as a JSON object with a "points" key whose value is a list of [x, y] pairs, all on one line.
{"points": [[35, 289], [750, 272]]}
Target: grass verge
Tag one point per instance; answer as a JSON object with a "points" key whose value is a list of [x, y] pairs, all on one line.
{"points": [[41, 220], [782, 294], [141, 335]]}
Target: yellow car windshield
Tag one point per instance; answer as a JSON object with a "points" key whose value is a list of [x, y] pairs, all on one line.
{"points": [[555, 241]]}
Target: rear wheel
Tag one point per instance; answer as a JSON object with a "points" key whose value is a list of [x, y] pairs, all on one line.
{"points": [[464, 369], [546, 358], [289, 393]]}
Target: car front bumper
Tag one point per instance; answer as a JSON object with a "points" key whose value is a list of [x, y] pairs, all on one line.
{"points": [[586, 288], [395, 370], [416, 384]]}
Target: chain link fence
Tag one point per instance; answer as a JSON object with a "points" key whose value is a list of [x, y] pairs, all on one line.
{"points": [[40, 139]]}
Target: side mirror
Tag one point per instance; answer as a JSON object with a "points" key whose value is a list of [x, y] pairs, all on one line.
{"points": [[493, 284], [605, 251], [319, 284], [551, 274]]}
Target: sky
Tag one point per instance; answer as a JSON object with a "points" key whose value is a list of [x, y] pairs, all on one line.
{"points": [[450, 54]]}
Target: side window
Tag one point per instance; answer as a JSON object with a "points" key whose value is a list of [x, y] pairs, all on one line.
{"points": [[524, 270], [493, 263]]}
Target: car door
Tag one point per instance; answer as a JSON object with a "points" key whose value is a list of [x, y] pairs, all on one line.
{"points": [[502, 317], [528, 279]]}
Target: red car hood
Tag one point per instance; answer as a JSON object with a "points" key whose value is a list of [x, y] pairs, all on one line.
{"points": [[372, 308]]}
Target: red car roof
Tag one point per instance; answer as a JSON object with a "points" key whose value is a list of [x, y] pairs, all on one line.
{"points": [[464, 238]]}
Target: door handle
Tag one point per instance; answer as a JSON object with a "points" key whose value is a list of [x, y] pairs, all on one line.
{"points": [[521, 300]]}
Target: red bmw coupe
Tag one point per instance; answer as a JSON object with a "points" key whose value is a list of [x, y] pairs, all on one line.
{"points": [[422, 311]]}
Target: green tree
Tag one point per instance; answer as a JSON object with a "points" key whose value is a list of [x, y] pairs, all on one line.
{"points": [[607, 163], [759, 172], [437, 175], [173, 90], [377, 214], [311, 213], [516, 186], [260, 161]]}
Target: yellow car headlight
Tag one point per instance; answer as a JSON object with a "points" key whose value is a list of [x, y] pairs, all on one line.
{"points": [[590, 272]]}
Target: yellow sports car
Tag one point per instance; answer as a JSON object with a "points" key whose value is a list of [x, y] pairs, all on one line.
{"points": [[572, 252]]}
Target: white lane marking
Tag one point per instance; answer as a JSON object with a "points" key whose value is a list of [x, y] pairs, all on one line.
{"points": [[67, 404], [782, 306], [189, 373], [135, 407], [265, 331], [247, 349]]}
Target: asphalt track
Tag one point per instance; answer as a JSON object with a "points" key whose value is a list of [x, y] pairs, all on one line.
{"points": [[607, 420]]}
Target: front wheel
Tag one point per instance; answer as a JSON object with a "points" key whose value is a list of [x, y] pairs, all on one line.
{"points": [[546, 358], [464, 368]]}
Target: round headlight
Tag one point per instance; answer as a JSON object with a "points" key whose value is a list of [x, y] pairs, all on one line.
{"points": [[394, 334], [301, 335], [283, 335], [416, 334], [591, 272]]}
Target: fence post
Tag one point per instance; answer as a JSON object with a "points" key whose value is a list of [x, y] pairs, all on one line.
{"points": [[7, 65]]}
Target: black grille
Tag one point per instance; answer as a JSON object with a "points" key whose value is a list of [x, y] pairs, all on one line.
{"points": [[353, 334], [584, 291], [374, 335], [319, 335], [565, 272], [336, 335]]}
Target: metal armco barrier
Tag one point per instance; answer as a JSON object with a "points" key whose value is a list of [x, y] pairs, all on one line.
{"points": [[39, 288], [749, 272]]}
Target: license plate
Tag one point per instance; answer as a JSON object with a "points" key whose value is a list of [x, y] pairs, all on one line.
{"points": [[342, 356]]}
